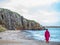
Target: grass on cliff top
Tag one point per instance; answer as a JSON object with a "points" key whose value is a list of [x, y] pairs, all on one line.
{"points": [[2, 29]]}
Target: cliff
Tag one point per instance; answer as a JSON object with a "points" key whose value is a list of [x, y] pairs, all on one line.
{"points": [[12, 20]]}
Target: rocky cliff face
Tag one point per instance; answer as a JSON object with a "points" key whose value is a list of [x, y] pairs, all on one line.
{"points": [[12, 20]]}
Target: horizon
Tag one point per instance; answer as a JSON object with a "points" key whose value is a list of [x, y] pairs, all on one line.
{"points": [[52, 26], [45, 12]]}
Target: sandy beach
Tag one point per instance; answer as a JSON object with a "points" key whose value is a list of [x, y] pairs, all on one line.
{"points": [[26, 42], [18, 38]]}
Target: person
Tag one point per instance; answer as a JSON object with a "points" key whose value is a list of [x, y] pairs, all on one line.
{"points": [[47, 35]]}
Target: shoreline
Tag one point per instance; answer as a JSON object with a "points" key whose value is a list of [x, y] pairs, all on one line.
{"points": [[19, 38], [26, 42]]}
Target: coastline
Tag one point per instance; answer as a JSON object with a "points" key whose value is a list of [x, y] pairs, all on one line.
{"points": [[18, 38], [26, 42]]}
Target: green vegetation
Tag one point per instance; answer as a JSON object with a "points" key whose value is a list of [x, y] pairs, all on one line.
{"points": [[2, 29]]}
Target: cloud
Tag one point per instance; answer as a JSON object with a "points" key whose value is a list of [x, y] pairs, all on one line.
{"points": [[42, 11], [3, 1], [28, 3], [45, 17], [31, 3]]}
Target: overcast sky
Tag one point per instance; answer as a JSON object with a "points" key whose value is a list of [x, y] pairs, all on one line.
{"points": [[45, 12]]}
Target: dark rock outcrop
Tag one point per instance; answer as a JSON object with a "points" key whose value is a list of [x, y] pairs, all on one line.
{"points": [[12, 20]]}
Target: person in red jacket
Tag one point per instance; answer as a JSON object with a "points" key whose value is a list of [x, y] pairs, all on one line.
{"points": [[47, 35]]}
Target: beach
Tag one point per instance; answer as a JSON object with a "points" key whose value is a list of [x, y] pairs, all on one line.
{"points": [[12, 38], [26, 42]]}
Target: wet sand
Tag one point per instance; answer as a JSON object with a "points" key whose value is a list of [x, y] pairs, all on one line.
{"points": [[26, 42]]}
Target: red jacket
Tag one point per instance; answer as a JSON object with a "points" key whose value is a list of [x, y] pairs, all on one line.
{"points": [[47, 34]]}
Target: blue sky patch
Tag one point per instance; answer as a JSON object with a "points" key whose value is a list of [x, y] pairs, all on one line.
{"points": [[56, 7]]}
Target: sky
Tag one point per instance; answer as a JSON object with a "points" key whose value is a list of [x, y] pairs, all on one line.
{"points": [[45, 12]]}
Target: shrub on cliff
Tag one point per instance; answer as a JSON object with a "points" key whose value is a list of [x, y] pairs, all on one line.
{"points": [[2, 29]]}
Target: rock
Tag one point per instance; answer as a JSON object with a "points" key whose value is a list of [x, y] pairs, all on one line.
{"points": [[12, 20], [0, 37]]}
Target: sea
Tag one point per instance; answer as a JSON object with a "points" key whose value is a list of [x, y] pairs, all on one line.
{"points": [[39, 34]]}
